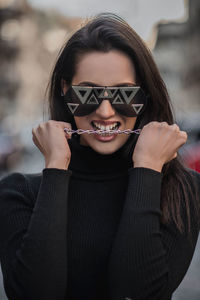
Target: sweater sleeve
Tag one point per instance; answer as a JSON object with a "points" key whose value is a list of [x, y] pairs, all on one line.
{"points": [[142, 262], [33, 247]]}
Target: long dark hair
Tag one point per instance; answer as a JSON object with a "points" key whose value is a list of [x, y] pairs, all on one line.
{"points": [[108, 31]]}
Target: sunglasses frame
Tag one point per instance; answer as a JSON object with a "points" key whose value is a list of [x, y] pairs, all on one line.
{"points": [[119, 96]]}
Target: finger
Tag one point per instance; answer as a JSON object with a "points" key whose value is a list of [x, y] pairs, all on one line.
{"points": [[68, 134], [67, 126], [158, 124], [163, 124], [152, 123], [184, 135], [60, 123], [63, 125], [37, 144], [181, 139], [175, 127]]}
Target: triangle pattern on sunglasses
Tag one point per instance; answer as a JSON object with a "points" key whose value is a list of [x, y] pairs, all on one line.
{"points": [[118, 100], [98, 90], [129, 92], [137, 107], [82, 92], [93, 100], [103, 94], [72, 107]]}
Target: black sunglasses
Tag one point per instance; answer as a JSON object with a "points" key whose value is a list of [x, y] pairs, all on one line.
{"points": [[129, 101]]}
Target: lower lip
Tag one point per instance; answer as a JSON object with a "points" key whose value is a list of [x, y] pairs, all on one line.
{"points": [[105, 138]]}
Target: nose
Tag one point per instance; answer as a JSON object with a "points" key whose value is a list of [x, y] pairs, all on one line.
{"points": [[105, 109]]}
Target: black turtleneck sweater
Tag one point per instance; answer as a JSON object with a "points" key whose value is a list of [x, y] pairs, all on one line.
{"points": [[91, 232]]}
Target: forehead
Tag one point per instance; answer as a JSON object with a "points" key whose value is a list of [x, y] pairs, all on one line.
{"points": [[105, 68]]}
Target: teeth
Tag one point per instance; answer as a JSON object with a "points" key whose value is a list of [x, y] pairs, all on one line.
{"points": [[108, 127]]}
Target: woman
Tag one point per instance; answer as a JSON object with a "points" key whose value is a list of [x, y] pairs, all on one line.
{"points": [[112, 215]]}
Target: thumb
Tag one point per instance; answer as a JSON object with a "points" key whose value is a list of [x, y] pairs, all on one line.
{"points": [[66, 126]]}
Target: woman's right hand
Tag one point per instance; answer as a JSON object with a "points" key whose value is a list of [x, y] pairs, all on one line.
{"points": [[51, 140]]}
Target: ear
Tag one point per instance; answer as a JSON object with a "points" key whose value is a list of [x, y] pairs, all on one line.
{"points": [[64, 86]]}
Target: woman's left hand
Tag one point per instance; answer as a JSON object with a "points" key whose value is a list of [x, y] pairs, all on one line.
{"points": [[157, 144]]}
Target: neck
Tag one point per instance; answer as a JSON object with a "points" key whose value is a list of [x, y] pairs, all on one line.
{"points": [[86, 160]]}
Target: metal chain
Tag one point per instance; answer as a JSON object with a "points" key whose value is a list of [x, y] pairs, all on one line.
{"points": [[101, 131]]}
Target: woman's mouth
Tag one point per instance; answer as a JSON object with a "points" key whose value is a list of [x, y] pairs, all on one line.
{"points": [[105, 137], [100, 126]]}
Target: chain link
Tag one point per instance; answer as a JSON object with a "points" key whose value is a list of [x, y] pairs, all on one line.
{"points": [[101, 131]]}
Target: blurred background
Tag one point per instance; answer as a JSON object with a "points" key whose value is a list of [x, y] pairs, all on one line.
{"points": [[31, 35]]}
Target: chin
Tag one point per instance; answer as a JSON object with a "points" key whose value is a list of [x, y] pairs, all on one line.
{"points": [[105, 148], [104, 151]]}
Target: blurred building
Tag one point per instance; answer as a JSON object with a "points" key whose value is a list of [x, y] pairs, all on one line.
{"points": [[177, 55], [29, 43]]}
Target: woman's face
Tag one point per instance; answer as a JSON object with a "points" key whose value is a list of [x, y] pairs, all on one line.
{"points": [[113, 68]]}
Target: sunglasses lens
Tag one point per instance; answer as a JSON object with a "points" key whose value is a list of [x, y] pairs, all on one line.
{"points": [[125, 110], [85, 109], [134, 103]]}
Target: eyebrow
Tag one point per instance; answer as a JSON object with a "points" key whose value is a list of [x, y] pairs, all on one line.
{"points": [[94, 84]]}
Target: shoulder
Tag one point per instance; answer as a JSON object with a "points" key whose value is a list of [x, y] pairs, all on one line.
{"points": [[195, 177], [195, 174], [20, 185], [194, 196], [13, 181]]}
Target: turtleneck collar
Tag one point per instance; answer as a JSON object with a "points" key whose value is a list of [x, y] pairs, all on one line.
{"points": [[85, 160]]}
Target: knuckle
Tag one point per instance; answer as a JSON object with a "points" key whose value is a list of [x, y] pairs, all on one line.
{"points": [[41, 124], [185, 135], [34, 130], [70, 126], [175, 127], [164, 124], [49, 123], [152, 123]]}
